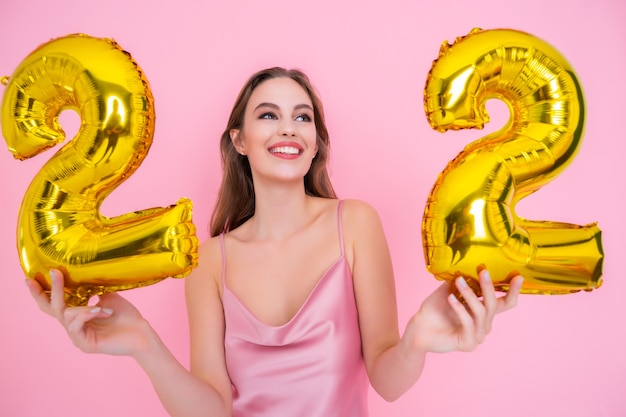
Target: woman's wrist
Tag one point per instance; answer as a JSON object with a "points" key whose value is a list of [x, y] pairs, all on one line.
{"points": [[410, 348], [149, 345]]}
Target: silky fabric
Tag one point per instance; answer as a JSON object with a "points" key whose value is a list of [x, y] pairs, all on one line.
{"points": [[311, 366]]}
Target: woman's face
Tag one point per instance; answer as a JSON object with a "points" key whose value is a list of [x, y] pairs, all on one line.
{"points": [[278, 134]]}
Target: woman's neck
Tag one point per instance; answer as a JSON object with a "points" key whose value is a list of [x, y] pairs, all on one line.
{"points": [[279, 212]]}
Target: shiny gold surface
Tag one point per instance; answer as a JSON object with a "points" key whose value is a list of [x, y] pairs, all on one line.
{"points": [[60, 225], [470, 218]]}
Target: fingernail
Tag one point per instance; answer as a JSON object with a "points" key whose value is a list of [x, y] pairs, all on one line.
{"points": [[53, 275], [108, 311], [453, 298], [95, 310], [486, 276], [462, 282]]}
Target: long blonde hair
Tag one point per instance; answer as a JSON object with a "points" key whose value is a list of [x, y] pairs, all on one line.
{"points": [[236, 200]]}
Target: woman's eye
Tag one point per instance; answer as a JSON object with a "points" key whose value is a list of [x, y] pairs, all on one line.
{"points": [[303, 118], [268, 115]]}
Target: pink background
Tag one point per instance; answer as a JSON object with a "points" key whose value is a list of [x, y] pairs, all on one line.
{"points": [[552, 356]]}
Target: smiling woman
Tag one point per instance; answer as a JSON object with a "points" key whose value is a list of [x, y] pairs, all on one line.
{"points": [[237, 190], [292, 308], [283, 127]]}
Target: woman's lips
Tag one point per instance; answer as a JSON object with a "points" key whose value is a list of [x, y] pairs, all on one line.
{"points": [[286, 150]]}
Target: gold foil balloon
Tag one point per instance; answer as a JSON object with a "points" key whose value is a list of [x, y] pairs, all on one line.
{"points": [[470, 218], [59, 224]]}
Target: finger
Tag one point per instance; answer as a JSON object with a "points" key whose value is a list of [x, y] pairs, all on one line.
{"points": [[57, 294], [41, 298], [77, 317], [472, 301], [487, 289], [77, 321], [109, 299], [510, 300], [477, 309], [466, 339], [490, 301]]}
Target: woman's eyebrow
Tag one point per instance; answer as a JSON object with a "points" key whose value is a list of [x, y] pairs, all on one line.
{"points": [[265, 104], [303, 106], [276, 107]]}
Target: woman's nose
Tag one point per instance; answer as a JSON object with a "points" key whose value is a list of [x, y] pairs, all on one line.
{"points": [[287, 128]]}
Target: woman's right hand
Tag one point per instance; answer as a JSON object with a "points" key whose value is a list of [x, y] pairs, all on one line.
{"points": [[113, 326]]}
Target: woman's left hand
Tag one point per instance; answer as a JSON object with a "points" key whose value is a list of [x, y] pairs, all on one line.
{"points": [[445, 324]]}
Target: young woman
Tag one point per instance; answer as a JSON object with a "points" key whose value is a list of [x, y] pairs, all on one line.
{"points": [[292, 308]]}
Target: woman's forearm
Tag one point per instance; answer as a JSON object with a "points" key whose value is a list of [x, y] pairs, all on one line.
{"points": [[181, 393], [396, 370]]}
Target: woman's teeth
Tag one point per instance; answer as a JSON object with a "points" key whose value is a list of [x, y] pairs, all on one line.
{"points": [[289, 150]]}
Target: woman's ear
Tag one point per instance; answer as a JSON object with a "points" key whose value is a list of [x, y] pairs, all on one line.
{"points": [[235, 138]]}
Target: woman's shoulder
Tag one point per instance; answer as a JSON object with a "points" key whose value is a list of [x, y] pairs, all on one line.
{"points": [[358, 211], [352, 210], [210, 249], [360, 221], [209, 260], [361, 227]]}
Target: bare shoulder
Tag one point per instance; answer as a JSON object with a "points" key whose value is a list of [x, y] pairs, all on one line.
{"points": [[361, 226], [207, 273], [210, 251], [358, 213]]}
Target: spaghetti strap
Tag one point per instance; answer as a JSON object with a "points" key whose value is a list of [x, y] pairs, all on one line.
{"points": [[223, 260], [340, 226]]}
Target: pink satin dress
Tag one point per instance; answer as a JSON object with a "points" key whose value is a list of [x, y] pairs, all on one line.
{"points": [[311, 366]]}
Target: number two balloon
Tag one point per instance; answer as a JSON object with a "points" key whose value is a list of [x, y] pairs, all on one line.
{"points": [[470, 219], [59, 224]]}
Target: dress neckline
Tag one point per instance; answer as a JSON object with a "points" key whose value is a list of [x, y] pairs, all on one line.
{"points": [[340, 261], [298, 312]]}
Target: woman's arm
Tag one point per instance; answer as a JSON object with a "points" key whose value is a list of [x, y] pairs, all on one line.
{"points": [[116, 327], [206, 389], [207, 325], [391, 366], [442, 324]]}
